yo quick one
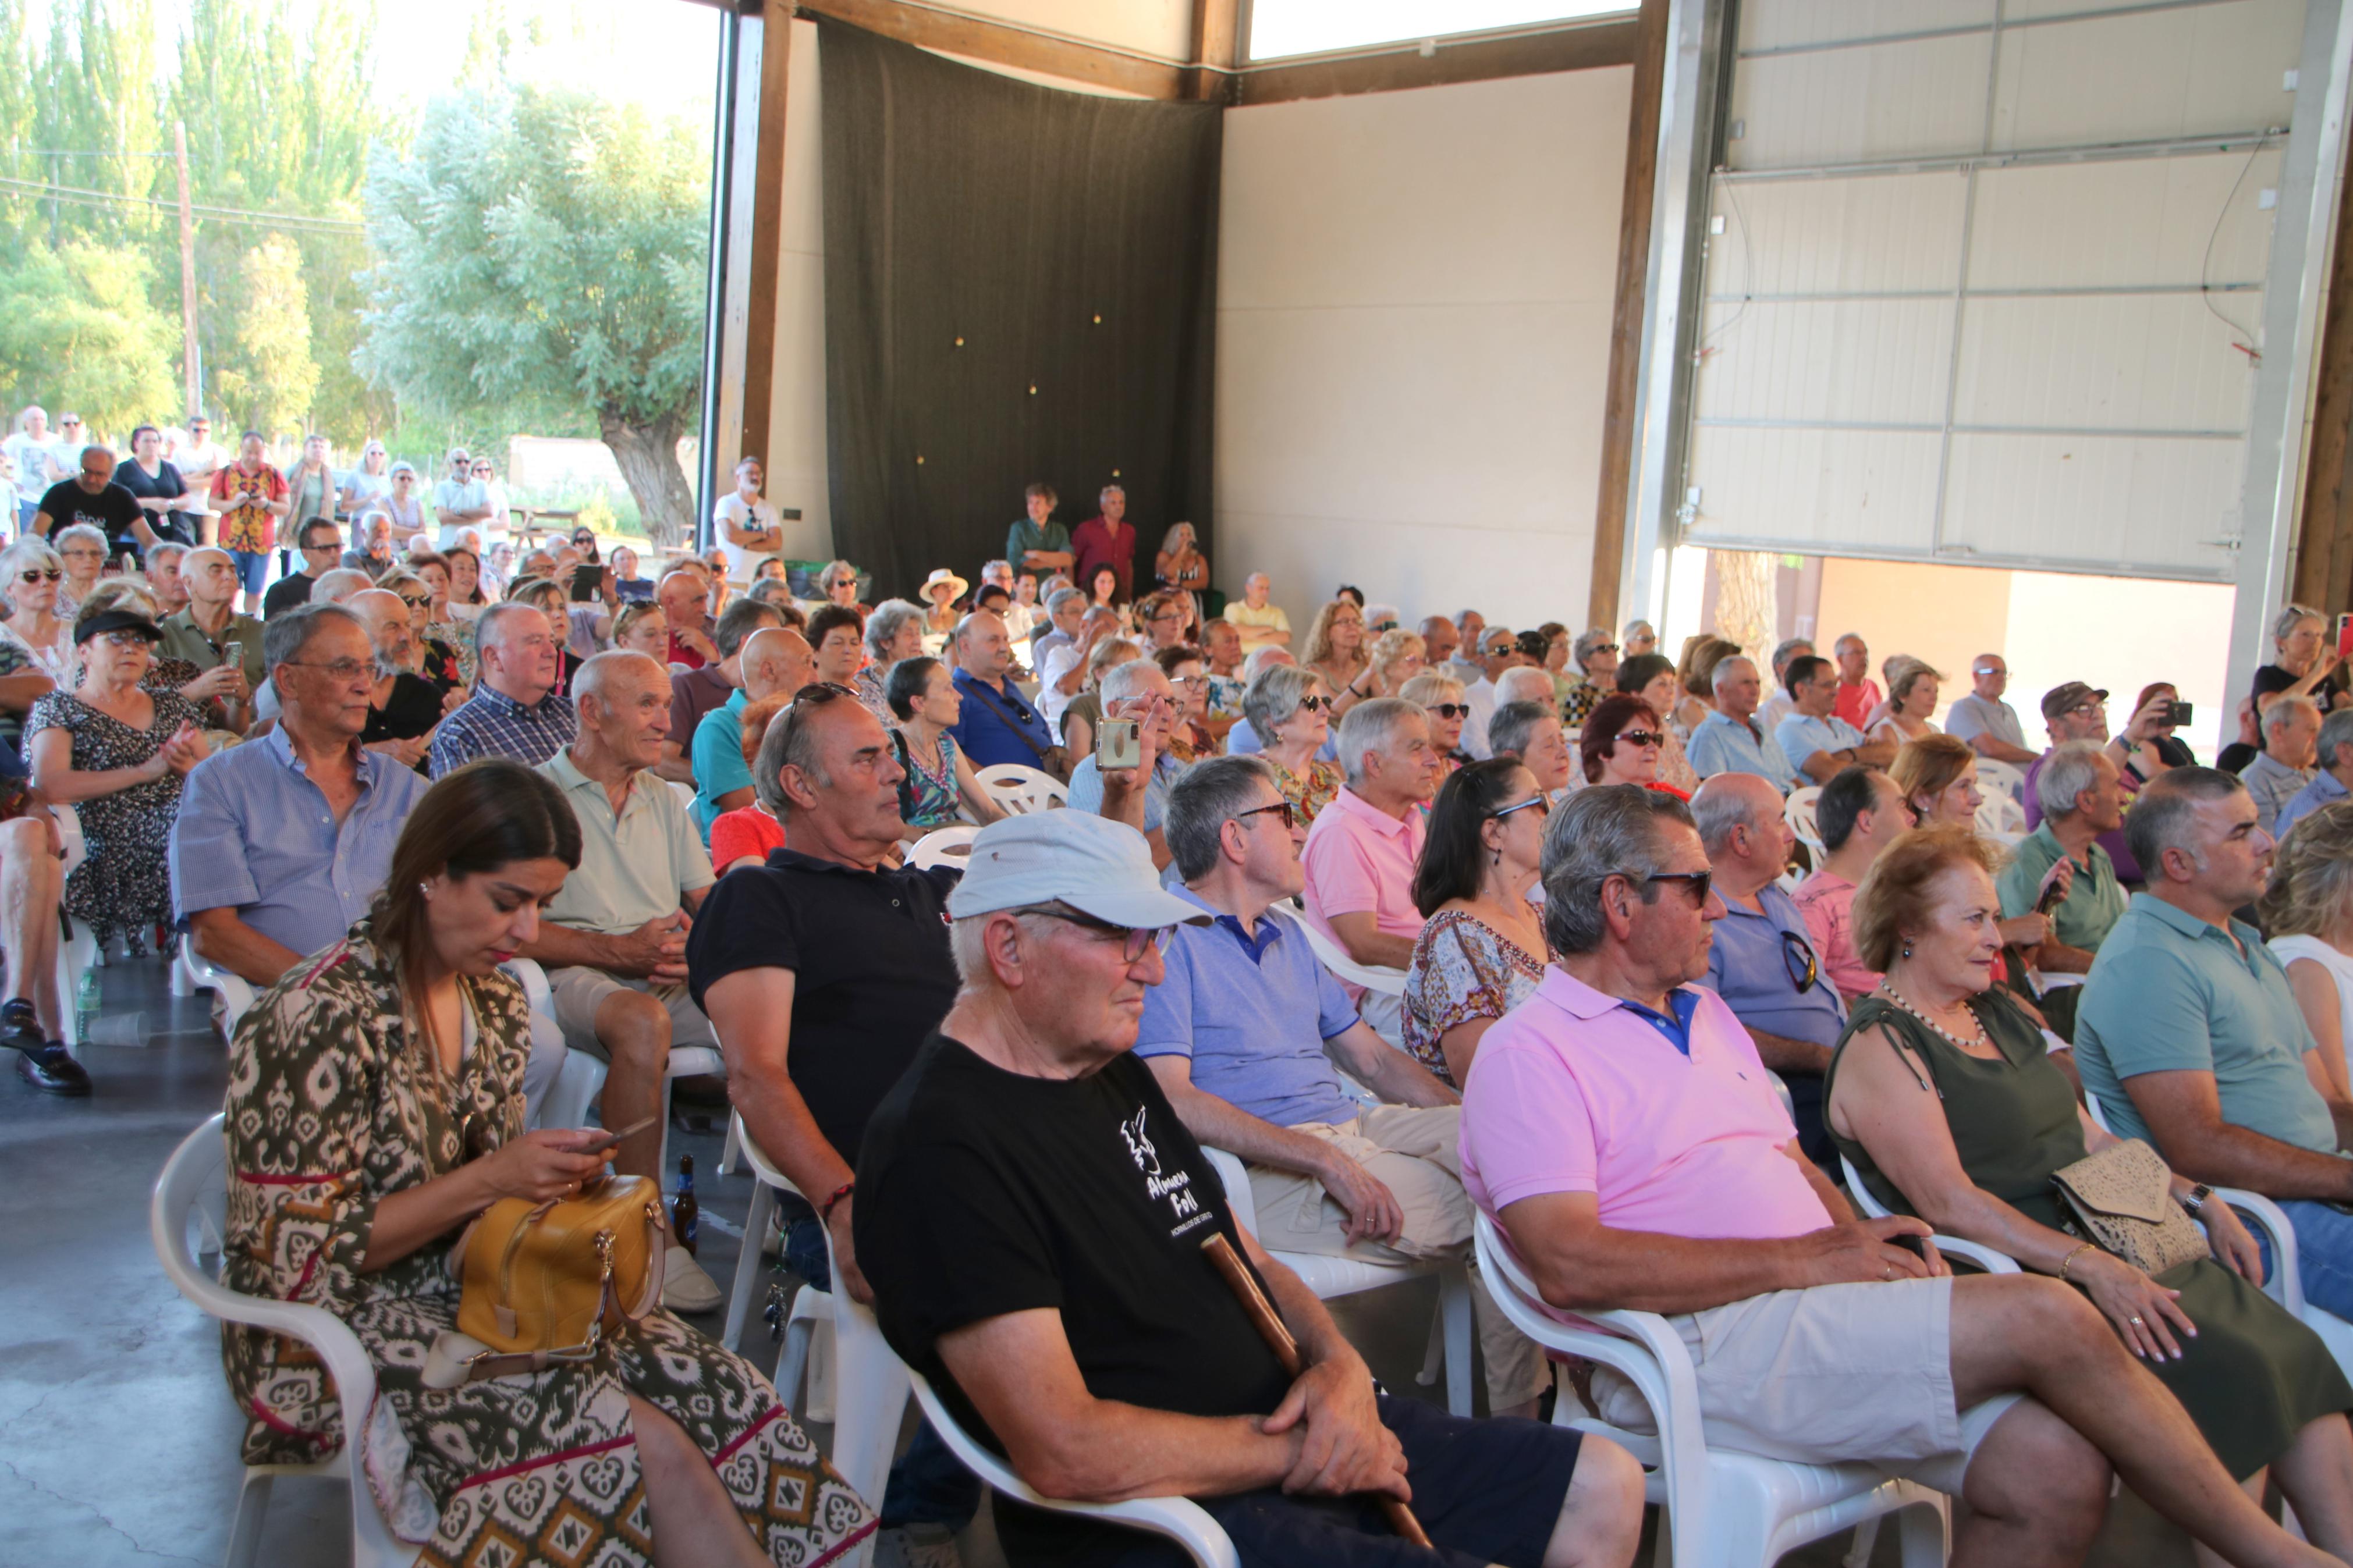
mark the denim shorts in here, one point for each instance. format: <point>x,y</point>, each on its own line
<point>252,565</point>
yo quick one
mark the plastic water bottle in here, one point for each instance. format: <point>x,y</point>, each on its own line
<point>86,1003</point>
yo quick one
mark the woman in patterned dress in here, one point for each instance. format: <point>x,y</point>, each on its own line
<point>117,752</point>
<point>927,704</point>
<point>1289,709</point>
<point>374,1108</point>
<point>1483,949</point>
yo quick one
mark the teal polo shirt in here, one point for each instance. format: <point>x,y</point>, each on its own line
<point>718,757</point>
<point>2092,906</point>
<point>1025,536</point>
<point>2169,994</point>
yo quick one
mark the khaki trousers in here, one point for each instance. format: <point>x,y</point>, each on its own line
<point>1412,1150</point>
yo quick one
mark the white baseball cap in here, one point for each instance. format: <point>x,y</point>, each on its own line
<point>1096,865</point>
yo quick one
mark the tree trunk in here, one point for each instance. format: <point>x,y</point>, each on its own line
<point>648,455</point>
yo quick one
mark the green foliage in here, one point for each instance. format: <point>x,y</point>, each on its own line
<point>77,329</point>
<point>267,377</point>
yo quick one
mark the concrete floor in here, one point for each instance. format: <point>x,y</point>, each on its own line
<point>120,1443</point>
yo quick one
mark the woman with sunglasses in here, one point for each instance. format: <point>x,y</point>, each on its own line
<point>1483,949</point>
<point>1652,677</point>
<point>448,662</point>
<point>1289,709</point>
<point>1622,744</point>
<point>1440,697</point>
<point>32,576</point>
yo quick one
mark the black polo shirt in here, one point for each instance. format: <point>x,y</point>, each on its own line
<point>872,976</point>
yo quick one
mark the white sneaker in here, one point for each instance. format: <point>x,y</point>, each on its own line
<point>685,1287</point>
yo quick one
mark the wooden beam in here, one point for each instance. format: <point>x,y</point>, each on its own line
<point>1581,46</point>
<point>761,280</point>
<point>1619,417</point>
<point>1217,27</point>
<point>953,33</point>
<point>2323,577</point>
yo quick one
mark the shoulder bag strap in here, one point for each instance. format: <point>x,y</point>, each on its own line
<point>980,689</point>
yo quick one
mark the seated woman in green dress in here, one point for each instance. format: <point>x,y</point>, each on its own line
<point>375,1106</point>
<point>1943,1096</point>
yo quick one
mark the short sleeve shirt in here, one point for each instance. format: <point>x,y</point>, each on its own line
<point>1267,619</point>
<point>112,512</point>
<point>490,723</point>
<point>1855,702</point>
<point>1756,962</point>
<point>2095,903</point>
<point>634,866</point>
<point>1360,860</point>
<point>1723,745</point>
<point>1799,737</point>
<point>998,726</point>
<point>718,753</point>
<point>242,500</point>
<point>1087,789</point>
<point>2324,790</point>
<point>1025,536</point>
<point>1973,715</point>
<point>693,693</point>
<point>1827,903</point>
<point>2170,993</point>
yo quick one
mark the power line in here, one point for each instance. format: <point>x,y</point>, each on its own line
<point>85,197</point>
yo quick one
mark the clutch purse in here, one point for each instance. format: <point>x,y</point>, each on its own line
<point>2121,1200</point>
<point>544,1282</point>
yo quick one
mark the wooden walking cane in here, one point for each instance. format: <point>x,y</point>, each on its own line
<point>1271,1328</point>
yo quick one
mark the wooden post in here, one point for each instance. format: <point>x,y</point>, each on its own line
<point>1621,417</point>
<point>191,370</point>
<point>767,229</point>
<point>2323,574</point>
<point>1217,48</point>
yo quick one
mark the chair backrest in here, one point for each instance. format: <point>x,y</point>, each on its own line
<point>1798,813</point>
<point>1016,788</point>
<point>2001,817</point>
<point>1333,957</point>
<point>943,847</point>
<point>1235,1175</point>
<point>2005,777</point>
<point>1869,1208</point>
<point>685,793</point>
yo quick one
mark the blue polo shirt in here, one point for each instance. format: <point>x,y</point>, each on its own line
<point>1745,966</point>
<point>982,732</point>
<point>716,753</point>
<point>1720,745</point>
<point>1800,735</point>
<point>1253,1011</point>
<point>2170,993</point>
<point>2324,790</point>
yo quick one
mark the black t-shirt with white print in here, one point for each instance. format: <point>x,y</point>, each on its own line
<point>981,1191</point>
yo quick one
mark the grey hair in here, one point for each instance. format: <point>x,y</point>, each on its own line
<point>1273,695</point>
<point>1263,657</point>
<point>1789,648</point>
<point>1513,725</point>
<point>1715,681</point>
<point>1205,797</point>
<point>1603,831</point>
<point>493,617</point>
<point>1370,727</point>
<point>1430,685</point>
<point>600,671</point>
<point>1582,648</point>
<point>2163,813</point>
<point>2275,717</point>
<point>2072,769</point>
<point>130,593</point>
<point>30,551</point>
<point>834,570</point>
<point>1513,683</point>
<point>288,632</point>
<point>2335,731</point>
<point>790,741</point>
<point>1123,680</point>
<point>171,548</point>
<point>1716,812</point>
<point>2290,616</point>
<point>80,530</point>
<point>333,587</point>
<point>889,618</point>
<point>1060,597</point>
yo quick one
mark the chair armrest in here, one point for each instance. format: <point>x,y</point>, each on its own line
<point>2286,1285</point>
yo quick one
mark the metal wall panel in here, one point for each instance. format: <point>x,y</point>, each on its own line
<point>2126,505</point>
<point>1873,361</point>
<point>2144,223</point>
<point>2149,76</point>
<point>1872,235</point>
<point>1872,101</point>
<point>1794,24</point>
<point>1824,492</point>
<point>2111,361</point>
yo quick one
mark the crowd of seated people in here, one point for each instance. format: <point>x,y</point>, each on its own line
<point>1566,857</point>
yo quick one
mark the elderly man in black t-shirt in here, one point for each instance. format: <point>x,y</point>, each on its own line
<point>1032,1218</point>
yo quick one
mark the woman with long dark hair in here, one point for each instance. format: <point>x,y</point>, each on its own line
<point>375,1108</point>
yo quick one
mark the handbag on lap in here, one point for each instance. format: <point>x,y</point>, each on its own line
<point>2121,1200</point>
<point>544,1282</point>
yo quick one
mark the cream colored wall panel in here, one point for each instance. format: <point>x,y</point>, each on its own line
<point>2120,501</point>
<point>1163,27</point>
<point>1816,491</point>
<point>1872,234</point>
<point>2148,76</point>
<point>1491,191</point>
<point>2147,361</point>
<point>1875,100</point>
<point>1782,24</point>
<point>1885,362</point>
<point>2127,223</point>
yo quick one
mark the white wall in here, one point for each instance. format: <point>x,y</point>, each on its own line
<point>1414,297</point>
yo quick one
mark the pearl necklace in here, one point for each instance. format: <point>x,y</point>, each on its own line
<point>1896,997</point>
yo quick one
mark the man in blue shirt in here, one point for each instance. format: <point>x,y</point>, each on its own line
<point>2189,1035</point>
<point>2335,756</point>
<point>281,843</point>
<point>1136,690</point>
<point>1730,741</point>
<point>997,724</point>
<point>1243,1033</point>
<point>1814,739</point>
<point>1763,961</point>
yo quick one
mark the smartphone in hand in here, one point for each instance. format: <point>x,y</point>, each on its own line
<point>1117,746</point>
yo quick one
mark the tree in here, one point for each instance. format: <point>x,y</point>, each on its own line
<point>268,378</point>
<point>79,329</point>
<point>545,253</point>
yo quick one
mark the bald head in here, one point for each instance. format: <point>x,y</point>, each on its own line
<point>777,662</point>
<point>1741,825</point>
<point>338,586</point>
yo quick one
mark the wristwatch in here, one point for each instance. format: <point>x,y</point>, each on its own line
<point>2196,1200</point>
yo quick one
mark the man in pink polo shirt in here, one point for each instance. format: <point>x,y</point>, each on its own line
<point>1620,1129</point>
<point>1362,851</point>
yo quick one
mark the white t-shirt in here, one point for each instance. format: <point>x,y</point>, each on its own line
<point>38,462</point>
<point>197,463</point>
<point>742,559</point>
<point>1059,663</point>
<point>2288,948</point>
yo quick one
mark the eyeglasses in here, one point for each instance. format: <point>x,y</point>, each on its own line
<point>1134,940</point>
<point>39,574</point>
<point>1601,648</point>
<point>1316,704</point>
<point>1450,710</point>
<point>329,548</point>
<point>1289,813</point>
<point>416,601</point>
<point>1697,881</point>
<point>337,670</point>
<point>817,691</point>
<point>1798,958</point>
<point>1641,738</point>
<point>83,552</point>
<point>124,639</point>
<point>1543,809</point>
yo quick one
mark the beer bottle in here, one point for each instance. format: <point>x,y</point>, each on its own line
<point>685,1214</point>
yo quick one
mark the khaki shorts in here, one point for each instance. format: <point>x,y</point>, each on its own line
<point>579,991</point>
<point>1833,1373</point>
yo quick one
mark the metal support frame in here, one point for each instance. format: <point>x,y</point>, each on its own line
<point>2283,380</point>
<point>1691,110</point>
<point>708,486</point>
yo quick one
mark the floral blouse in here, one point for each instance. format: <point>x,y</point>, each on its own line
<point>1311,792</point>
<point>1463,969</point>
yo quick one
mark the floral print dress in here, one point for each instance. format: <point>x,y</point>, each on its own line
<point>124,887</point>
<point>1308,792</point>
<point>329,1110</point>
<point>1463,969</point>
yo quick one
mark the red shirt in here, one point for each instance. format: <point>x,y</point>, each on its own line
<point>1855,702</point>
<point>680,654</point>
<point>1095,544</point>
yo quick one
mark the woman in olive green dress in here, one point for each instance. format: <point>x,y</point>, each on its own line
<point>1943,1096</point>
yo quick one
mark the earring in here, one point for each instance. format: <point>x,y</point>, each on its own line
<point>423,889</point>
<point>1907,947</point>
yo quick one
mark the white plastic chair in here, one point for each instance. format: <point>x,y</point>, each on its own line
<point>1181,1520</point>
<point>1798,811</point>
<point>1722,1508</point>
<point>943,847</point>
<point>1986,1258</point>
<point>1329,1276</point>
<point>2007,778</point>
<point>1333,957</point>
<point>233,994</point>
<point>194,1184</point>
<point>1019,788</point>
<point>685,793</point>
<point>1999,816</point>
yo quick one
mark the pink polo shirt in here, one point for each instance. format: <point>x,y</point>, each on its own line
<point>1571,1092</point>
<point>1828,903</point>
<point>1360,860</point>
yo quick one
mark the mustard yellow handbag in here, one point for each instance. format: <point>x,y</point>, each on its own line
<point>544,1282</point>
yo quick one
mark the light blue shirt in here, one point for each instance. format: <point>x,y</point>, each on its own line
<point>717,754</point>
<point>1799,737</point>
<point>2324,790</point>
<point>1087,790</point>
<point>1242,741</point>
<point>1719,745</point>
<point>255,835</point>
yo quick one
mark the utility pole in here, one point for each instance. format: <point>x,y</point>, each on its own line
<point>191,370</point>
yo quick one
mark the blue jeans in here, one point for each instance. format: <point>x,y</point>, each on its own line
<point>929,1485</point>
<point>252,566</point>
<point>2324,1249</point>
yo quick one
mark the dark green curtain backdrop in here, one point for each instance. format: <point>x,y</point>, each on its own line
<point>1020,284</point>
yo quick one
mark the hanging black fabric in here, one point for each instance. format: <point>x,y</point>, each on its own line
<point>1020,284</point>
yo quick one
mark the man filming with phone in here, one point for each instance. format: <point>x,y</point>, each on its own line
<point>1127,775</point>
<point>211,631</point>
